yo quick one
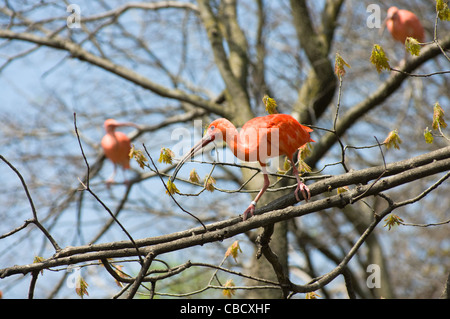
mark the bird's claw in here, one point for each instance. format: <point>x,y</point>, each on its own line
<point>109,182</point>
<point>249,212</point>
<point>304,190</point>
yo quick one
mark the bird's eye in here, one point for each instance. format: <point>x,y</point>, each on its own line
<point>212,128</point>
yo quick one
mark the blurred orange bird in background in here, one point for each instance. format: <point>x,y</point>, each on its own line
<point>116,146</point>
<point>260,138</point>
<point>403,23</point>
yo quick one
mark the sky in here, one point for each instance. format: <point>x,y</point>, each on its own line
<point>49,77</point>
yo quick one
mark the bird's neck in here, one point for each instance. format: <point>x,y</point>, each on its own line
<point>235,143</point>
<point>230,135</point>
<point>110,130</point>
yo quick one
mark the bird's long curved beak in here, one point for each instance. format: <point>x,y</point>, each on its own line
<point>128,124</point>
<point>383,25</point>
<point>189,155</point>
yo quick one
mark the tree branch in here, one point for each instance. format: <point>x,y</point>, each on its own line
<point>144,6</point>
<point>385,90</point>
<point>35,219</point>
<point>318,89</point>
<point>237,93</point>
<point>81,54</point>
<point>396,174</point>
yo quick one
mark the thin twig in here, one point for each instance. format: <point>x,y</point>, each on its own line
<point>425,225</point>
<point>168,192</point>
<point>138,280</point>
<point>24,185</point>
<point>338,105</point>
<point>378,178</point>
<point>399,173</point>
<point>35,219</point>
<point>435,37</point>
<point>419,75</point>
<point>87,188</point>
<point>424,193</point>
<point>34,277</point>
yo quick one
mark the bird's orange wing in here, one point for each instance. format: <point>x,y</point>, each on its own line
<point>117,148</point>
<point>278,134</point>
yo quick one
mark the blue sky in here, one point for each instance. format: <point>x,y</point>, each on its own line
<point>48,84</point>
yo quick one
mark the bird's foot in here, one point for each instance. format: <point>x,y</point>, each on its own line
<point>109,182</point>
<point>127,183</point>
<point>250,211</point>
<point>304,190</point>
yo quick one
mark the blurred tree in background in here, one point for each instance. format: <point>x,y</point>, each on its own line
<point>174,66</point>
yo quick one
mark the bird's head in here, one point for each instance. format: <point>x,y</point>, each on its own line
<point>392,13</point>
<point>216,131</point>
<point>110,125</point>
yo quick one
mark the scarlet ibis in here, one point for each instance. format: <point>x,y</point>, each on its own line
<point>403,23</point>
<point>259,139</point>
<point>116,145</point>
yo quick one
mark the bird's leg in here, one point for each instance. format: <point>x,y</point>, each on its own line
<point>300,185</point>
<point>251,208</point>
<point>126,182</point>
<point>402,62</point>
<point>110,180</point>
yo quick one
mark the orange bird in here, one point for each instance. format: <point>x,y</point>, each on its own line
<point>116,145</point>
<point>260,139</point>
<point>402,24</point>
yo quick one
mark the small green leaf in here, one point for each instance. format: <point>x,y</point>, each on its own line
<point>270,103</point>
<point>229,291</point>
<point>38,259</point>
<point>392,220</point>
<point>343,189</point>
<point>303,167</point>
<point>138,156</point>
<point>438,117</point>
<point>379,59</point>
<point>286,165</point>
<point>312,295</point>
<point>81,287</point>
<point>339,66</point>
<point>171,188</point>
<point>393,140</point>
<point>443,10</point>
<point>166,155</point>
<point>193,176</point>
<point>428,136</point>
<point>209,183</point>
<point>305,150</point>
<point>233,250</point>
<point>412,46</point>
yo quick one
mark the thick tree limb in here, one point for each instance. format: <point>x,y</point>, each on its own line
<point>230,67</point>
<point>385,90</point>
<point>319,87</point>
<point>81,54</point>
<point>395,174</point>
<point>144,6</point>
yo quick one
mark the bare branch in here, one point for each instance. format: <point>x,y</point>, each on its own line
<point>115,13</point>
<point>78,52</point>
<point>381,94</point>
<point>34,220</point>
<point>165,186</point>
<point>397,174</point>
<point>87,188</point>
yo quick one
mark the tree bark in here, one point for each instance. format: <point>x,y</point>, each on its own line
<point>320,85</point>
